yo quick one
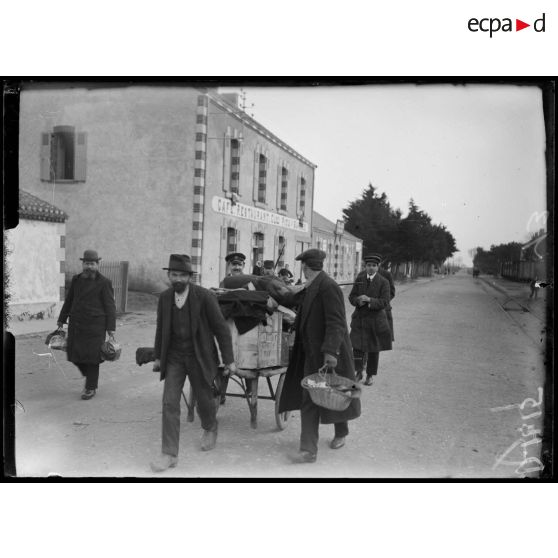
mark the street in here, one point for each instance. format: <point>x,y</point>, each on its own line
<point>445,404</point>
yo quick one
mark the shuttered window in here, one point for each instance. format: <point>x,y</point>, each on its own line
<point>63,155</point>
<point>262,178</point>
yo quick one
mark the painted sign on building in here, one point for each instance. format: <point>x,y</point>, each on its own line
<point>226,207</point>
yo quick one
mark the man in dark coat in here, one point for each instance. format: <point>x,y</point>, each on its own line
<point>92,311</point>
<point>370,329</point>
<point>383,271</point>
<point>321,339</point>
<point>188,322</point>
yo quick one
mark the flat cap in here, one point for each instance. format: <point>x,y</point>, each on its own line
<point>373,258</point>
<point>311,254</point>
<point>235,256</point>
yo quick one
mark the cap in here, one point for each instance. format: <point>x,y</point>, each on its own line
<point>269,264</point>
<point>235,256</point>
<point>373,258</point>
<point>311,254</point>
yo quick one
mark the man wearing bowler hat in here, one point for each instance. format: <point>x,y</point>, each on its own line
<point>370,328</point>
<point>91,309</point>
<point>188,322</point>
<point>321,338</point>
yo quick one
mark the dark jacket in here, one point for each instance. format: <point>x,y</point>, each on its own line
<point>92,311</point>
<point>370,330</point>
<point>385,273</point>
<point>321,327</point>
<point>208,325</point>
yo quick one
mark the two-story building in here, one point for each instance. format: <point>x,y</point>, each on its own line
<point>146,171</point>
<point>343,250</point>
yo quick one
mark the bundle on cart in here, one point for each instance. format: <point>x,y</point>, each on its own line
<point>256,328</point>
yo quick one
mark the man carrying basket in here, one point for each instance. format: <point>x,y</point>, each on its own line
<point>321,339</point>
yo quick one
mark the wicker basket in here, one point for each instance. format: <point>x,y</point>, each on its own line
<point>337,393</point>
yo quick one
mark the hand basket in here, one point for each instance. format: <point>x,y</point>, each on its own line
<point>331,391</point>
<point>57,340</point>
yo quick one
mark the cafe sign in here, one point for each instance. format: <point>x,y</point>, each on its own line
<point>251,213</point>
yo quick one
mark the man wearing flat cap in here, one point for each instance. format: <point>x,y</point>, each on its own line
<point>268,268</point>
<point>188,322</point>
<point>235,264</point>
<point>321,338</point>
<point>370,329</point>
<point>91,309</point>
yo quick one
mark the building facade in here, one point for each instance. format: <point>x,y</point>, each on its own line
<point>343,250</point>
<point>36,259</point>
<point>146,171</point>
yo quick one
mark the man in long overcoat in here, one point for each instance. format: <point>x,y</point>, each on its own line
<point>370,329</point>
<point>321,338</point>
<point>188,322</point>
<point>384,272</point>
<point>91,309</point>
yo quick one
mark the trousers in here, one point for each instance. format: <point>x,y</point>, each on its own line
<point>371,359</point>
<point>310,425</point>
<point>91,373</point>
<point>178,367</point>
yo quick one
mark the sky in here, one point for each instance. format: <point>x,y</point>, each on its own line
<point>471,156</point>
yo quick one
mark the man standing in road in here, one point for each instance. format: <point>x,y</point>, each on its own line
<point>370,329</point>
<point>321,339</point>
<point>188,322</point>
<point>91,309</point>
<point>383,271</point>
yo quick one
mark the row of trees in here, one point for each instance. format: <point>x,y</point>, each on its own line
<point>490,261</point>
<point>382,229</point>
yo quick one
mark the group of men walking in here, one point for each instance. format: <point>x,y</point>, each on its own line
<point>190,323</point>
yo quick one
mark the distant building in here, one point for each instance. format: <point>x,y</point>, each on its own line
<point>343,250</point>
<point>36,259</point>
<point>145,171</point>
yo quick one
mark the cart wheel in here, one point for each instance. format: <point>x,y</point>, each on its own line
<point>281,419</point>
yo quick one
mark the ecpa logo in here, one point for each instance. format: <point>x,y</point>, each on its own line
<point>492,25</point>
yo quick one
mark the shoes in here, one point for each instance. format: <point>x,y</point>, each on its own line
<point>88,393</point>
<point>337,443</point>
<point>358,377</point>
<point>209,439</point>
<point>163,462</point>
<point>303,457</point>
<point>369,380</point>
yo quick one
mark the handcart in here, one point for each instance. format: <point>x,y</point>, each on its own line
<point>260,353</point>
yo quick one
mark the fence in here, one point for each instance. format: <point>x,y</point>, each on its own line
<point>523,271</point>
<point>117,272</point>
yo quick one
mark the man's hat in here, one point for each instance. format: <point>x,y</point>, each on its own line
<point>179,262</point>
<point>269,264</point>
<point>373,258</point>
<point>312,254</point>
<point>235,257</point>
<point>90,256</point>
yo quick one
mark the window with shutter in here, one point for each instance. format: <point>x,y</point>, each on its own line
<point>63,155</point>
<point>262,178</point>
<point>235,166</point>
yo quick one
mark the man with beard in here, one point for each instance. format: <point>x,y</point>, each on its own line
<point>321,338</point>
<point>188,322</point>
<point>92,311</point>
